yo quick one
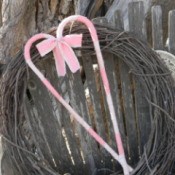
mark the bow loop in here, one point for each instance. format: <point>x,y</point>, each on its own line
<point>62,51</point>
<point>46,46</point>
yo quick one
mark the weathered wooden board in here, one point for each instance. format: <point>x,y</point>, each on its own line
<point>64,118</point>
<point>129,113</point>
<point>157,32</point>
<point>142,117</point>
<point>38,135</point>
<point>171,32</point>
<point>78,102</point>
<point>49,130</point>
<point>94,96</point>
<point>96,102</point>
<point>117,20</point>
<point>111,65</point>
<point>137,26</point>
<point>106,118</point>
<point>136,19</point>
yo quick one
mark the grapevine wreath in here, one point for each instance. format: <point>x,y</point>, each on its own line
<point>143,62</point>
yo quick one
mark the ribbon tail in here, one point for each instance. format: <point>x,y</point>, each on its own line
<point>59,62</point>
<point>46,46</point>
<point>70,57</point>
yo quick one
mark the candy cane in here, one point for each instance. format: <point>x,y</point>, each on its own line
<point>63,52</point>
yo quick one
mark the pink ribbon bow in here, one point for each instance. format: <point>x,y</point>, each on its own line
<point>62,51</point>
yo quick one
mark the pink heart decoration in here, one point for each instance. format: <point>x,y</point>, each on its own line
<point>63,53</point>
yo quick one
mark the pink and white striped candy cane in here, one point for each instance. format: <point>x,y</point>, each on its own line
<point>121,157</point>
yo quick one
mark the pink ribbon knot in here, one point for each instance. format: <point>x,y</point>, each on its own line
<point>62,51</point>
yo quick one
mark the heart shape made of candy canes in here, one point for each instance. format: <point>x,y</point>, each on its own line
<point>63,53</point>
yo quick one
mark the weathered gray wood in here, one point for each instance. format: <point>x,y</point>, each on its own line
<point>142,116</point>
<point>93,8</point>
<point>157,32</point>
<point>96,103</point>
<point>81,6</point>
<point>38,135</point>
<point>106,115</point>
<point>136,19</point>
<point>112,68</point>
<point>118,5</point>
<point>100,20</point>
<point>128,113</point>
<point>78,102</point>
<point>136,25</point>
<point>47,126</point>
<point>94,96</point>
<point>171,32</point>
<point>118,21</point>
<point>107,120</point>
<point>64,118</point>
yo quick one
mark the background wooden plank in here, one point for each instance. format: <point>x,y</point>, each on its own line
<point>78,102</point>
<point>137,25</point>
<point>38,134</point>
<point>94,96</point>
<point>100,20</point>
<point>110,65</point>
<point>118,20</point>
<point>157,32</point>
<point>129,113</point>
<point>112,68</point>
<point>100,123</point>
<point>64,118</point>
<point>48,125</point>
<point>142,116</point>
<point>136,19</point>
<point>171,31</point>
<point>108,162</point>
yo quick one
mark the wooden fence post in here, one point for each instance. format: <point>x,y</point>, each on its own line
<point>118,21</point>
<point>137,26</point>
<point>171,32</point>
<point>157,37</point>
<point>137,19</point>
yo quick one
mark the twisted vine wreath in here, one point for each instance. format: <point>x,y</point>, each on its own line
<point>156,80</point>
